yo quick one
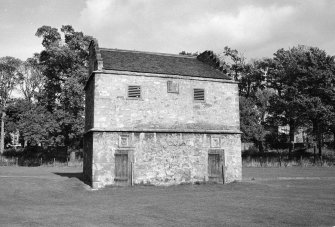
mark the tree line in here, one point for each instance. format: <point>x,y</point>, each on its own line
<point>295,87</point>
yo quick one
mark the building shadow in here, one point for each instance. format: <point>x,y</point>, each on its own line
<point>79,176</point>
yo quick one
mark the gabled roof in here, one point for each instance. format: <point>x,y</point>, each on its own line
<point>158,63</point>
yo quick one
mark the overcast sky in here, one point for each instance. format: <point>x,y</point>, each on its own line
<point>256,28</point>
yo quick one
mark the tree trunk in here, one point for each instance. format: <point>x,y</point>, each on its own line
<point>291,135</point>
<point>260,146</point>
<point>320,148</point>
<point>2,139</point>
<point>248,89</point>
<point>317,134</point>
<point>319,140</point>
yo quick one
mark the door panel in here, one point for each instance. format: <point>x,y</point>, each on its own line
<point>214,172</point>
<point>121,167</point>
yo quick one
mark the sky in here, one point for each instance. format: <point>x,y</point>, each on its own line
<point>256,28</point>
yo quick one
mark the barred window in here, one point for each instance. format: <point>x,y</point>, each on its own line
<point>134,92</point>
<point>199,94</point>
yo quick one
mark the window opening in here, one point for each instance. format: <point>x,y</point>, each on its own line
<point>199,94</point>
<point>134,92</point>
<point>172,87</point>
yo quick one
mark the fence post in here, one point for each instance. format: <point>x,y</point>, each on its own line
<point>314,153</point>
<point>54,162</point>
<point>17,161</point>
<point>301,160</point>
<point>223,174</point>
<point>132,174</point>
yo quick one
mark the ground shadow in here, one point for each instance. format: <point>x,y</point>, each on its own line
<point>79,176</point>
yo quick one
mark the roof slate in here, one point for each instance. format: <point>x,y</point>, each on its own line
<point>135,61</point>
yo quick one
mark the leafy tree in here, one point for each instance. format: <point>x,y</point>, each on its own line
<point>189,53</point>
<point>15,108</point>
<point>253,112</point>
<point>251,76</point>
<point>51,36</point>
<point>303,78</point>
<point>64,66</point>
<point>317,79</point>
<point>250,120</point>
<point>33,79</point>
<point>39,126</point>
<point>236,62</point>
<point>10,76</point>
<point>254,97</point>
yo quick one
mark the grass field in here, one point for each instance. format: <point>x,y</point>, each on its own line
<point>44,196</point>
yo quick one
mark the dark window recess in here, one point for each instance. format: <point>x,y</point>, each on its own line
<point>172,87</point>
<point>134,92</point>
<point>199,94</point>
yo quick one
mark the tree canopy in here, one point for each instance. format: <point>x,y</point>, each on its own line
<point>52,85</point>
<point>301,80</point>
<point>10,76</point>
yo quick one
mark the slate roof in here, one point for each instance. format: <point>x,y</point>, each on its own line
<point>147,62</point>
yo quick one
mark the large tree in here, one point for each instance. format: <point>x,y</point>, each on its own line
<point>317,81</point>
<point>303,78</point>
<point>33,79</point>
<point>64,66</point>
<point>253,112</point>
<point>10,77</point>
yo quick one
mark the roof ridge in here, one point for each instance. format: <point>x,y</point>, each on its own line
<point>148,52</point>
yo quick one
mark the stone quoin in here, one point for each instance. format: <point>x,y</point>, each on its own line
<point>159,119</point>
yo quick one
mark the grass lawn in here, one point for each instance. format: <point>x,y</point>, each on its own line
<point>42,196</point>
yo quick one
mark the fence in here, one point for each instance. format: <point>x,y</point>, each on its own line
<point>4,161</point>
<point>286,161</point>
<point>37,156</point>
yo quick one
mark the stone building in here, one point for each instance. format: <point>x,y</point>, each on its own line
<point>160,119</point>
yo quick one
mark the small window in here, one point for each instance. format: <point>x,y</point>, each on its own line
<point>134,92</point>
<point>199,94</point>
<point>172,87</point>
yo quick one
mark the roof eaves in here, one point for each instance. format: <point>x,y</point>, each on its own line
<point>227,80</point>
<point>148,52</point>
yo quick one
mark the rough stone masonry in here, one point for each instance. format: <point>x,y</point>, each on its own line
<point>159,119</point>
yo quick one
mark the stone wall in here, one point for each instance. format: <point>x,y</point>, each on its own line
<point>88,156</point>
<point>89,104</point>
<point>158,109</point>
<point>165,159</point>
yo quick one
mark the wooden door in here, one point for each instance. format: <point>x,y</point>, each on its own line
<point>214,170</point>
<point>121,168</point>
